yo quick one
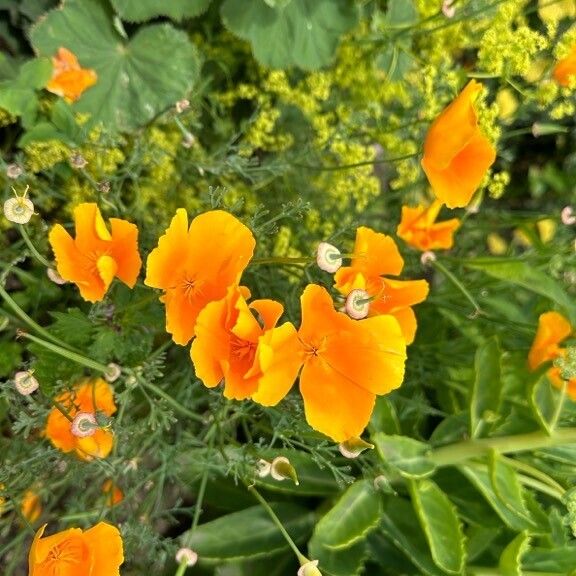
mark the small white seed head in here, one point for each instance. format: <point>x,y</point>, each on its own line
<point>567,216</point>
<point>263,468</point>
<point>78,161</point>
<point>328,257</point>
<point>182,105</point>
<point>427,258</point>
<point>13,171</point>
<point>25,382</point>
<point>113,372</point>
<point>186,555</point>
<point>84,424</point>
<point>358,304</point>
<point>54,275</point>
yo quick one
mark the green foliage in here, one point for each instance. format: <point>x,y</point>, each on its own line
<point>511,559</point>
<point>138,78</point>
<point>141,10</point>
<point>302,33</point>
<point>405,455</point>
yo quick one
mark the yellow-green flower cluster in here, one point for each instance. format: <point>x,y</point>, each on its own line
<point>46,154</point>
<point>498,184</point>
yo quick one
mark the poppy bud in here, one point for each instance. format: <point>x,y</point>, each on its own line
<point>281,469</point>
<point>83,425</point>
<point>328,257</point>
<point>25,383</point>
<point>353,447</point>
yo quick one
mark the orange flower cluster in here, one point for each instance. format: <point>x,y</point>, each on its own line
<point>89,396</point>
<point>69,80</point>
<point>97,255</point>
<point>96,552</point>
<point>553,329</point>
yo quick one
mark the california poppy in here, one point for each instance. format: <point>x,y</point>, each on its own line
<point>69,79</point>
<point>112,492</point>
<point>96,256</point>
<point>238,343</point>
<point>457,154</point>
<point>31,506</point>
<point>552,330</point>
<point>88,396</point>
<point>565,68</point>
<point>419,229</point>
<point>195,265</point>
<point>376,254</point>
<point>346,363</point>
<point>96,552</point>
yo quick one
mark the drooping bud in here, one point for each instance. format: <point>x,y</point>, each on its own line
<point>19,209</point>
<point>281,469</point>
<point>25,383</point>
<point>310,569</point>
<point>353,447</point>
<point>358,304</point>
<point>263,468</point>
<point>328,257</point>
<point>84,424</point>
<point>186,555</point>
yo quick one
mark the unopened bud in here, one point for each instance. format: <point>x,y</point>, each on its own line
<point>426,258</point>
<point>78,161</point>
<point>104,187</point>
<point>25,383</point>
<point>182,105</point>
<point>281,469</point>
<point>310,569</point>
<point>447,9</point>
<point>187,556</point>
<point>263,468</point>
<point>189,140</point>
<point>358,304</point>
<point>84,424</point>
<point>353,447</point>
<point>113,372</point>
<point>328,257</point>
<point>382,484</point>
<point>13,171</point>
<point>567,216</point>
<point>54,275</point>
<point>19,209</point>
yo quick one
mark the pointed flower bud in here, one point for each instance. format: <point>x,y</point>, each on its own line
<point>19,209</point>
<point>310,569</point>
<point>281,469</point>
<point>25,383</point>
<point>189,557</point>
<point>353,447</point>
<point>382,484</point>
<point>358,304</point>
<point>84,424</point>
<point>328,257</point>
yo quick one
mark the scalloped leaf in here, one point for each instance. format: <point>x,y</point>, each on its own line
<point>302,33</point>
<point>510,562</point>
<point>142,10</point>
<point>137,78</point>
<point>407,456</point>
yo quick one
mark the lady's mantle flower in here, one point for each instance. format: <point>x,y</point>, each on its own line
<point>376,254</point>
<point>96,255</point>
<point>457,154</point>
<point>553,328</point>
<point>565,68</point>
<point>98,552</point>
<point>69,80</point>
<point>195,265</point>
<point>89,396</point>
<point>346,363</point>
<point>419,229</point>
<point>240,344</point>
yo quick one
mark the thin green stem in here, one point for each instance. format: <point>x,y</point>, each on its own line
<point>356,164</point>
<point>32,248</point>
<point>281,260</point>
<point>301,558</point>
<point>559,406</point>
<point>462,451</point>
<point>173,403</point>
<point>460,286</point>
<point>68,354</point>
<point>538,474</point>
<point>181,568</point>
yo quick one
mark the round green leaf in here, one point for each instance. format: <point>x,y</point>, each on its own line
<point>137,79</point>
<point>141,10</point>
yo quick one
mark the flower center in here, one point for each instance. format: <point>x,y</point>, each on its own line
<point>242,349</point>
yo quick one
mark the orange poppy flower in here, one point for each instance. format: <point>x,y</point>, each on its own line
<point>87,396</point>
<point>31,507</point>
<point>456,153</point>
<point>346,363</point>
<point>376,254</point>
<point>69,80</point>
<point>195,265</point>
<point>96,552</point>
<point>238,343</point>
<point>553,328</point>
<point>565,68</point>
<point>113,494</point>
<point>96,255</point>
<point>419,229</point>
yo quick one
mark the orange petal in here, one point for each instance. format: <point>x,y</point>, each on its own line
<point>269,312</point>
<point>70,540</point>
<point>95,389</point>
<point>107,267</point>
<point>106,549</point>
<point>553,328</point>
<point>407,321</point>
<point>124,250</point>
<point>565,68</point>
<point>58,431</point>
<point>99,445</point>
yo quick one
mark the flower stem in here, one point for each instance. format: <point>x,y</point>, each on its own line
<point>181,568</point>
<point>32,248</point>
<point>462,451</point>
<point>559,405</point>
<point>177,407</point>
<point>282,260</point>
<point>65,353</point>
<point>301,558</point>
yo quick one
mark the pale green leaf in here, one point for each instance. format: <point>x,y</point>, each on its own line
<point>510,563</point>
<point>141,10</point>
<point>560,560</point>
<point>440,523</point>
<point>406,455</point>
<point>543,402</point>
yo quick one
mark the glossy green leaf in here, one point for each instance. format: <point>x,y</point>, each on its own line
<point>522,274</point>
<point>406,455</point>
<point>340,562</point>
<point>137,78</point>
<point>510,563</point>
<point>440,524</point>
<point>551,560</point>
<point>487,387</point>
<point>543,402</point>
<point>302,33</point>
<point>400,525</point>
<point>249,533</point>
<point>141,10</point>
